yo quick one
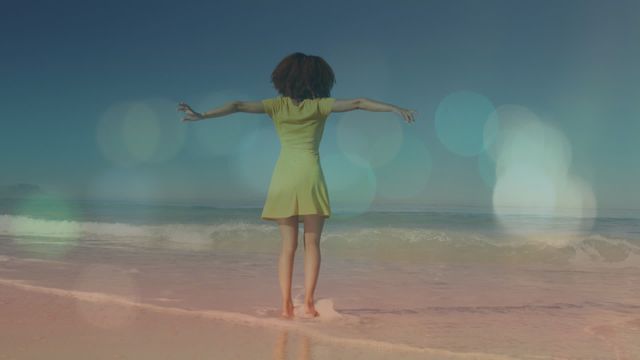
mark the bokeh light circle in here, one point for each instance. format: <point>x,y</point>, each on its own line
<point>408,174</point>
<point>220,136</point>
<point>460,121</point>
<point>140,132</point>
<point>539,145</point>
<point>369,139</point>
<point>502,123</point>
<point>523,190</point>
<point>532,169</point>
<point>351,188</point>
<point>577,200</point>
<point>171,132</point>
<point>487,169</point>
<point>255,158</point>
<point>130,133</point>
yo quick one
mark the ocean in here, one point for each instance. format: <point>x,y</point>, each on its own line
<point>424,284</point>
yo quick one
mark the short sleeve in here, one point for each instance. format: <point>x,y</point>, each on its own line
<point>324,106</point>
<point>268,106</point>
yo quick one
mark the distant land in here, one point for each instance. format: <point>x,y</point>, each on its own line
<point>17,191</point>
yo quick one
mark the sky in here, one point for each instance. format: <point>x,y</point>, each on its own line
<point>519,102</point>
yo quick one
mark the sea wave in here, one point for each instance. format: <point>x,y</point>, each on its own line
<point>382,242</point>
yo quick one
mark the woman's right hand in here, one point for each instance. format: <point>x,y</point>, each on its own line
<point>190,114</point>
<point>407,114</point>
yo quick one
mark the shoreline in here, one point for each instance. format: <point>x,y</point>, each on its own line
<point>47,322</point>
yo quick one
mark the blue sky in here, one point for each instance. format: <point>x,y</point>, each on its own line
<point>72,71</point>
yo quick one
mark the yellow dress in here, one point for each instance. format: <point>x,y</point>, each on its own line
<point>297,184</point>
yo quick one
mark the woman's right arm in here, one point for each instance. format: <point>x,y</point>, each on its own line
<point>372,105</point>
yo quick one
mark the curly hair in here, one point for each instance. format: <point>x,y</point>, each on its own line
<point>300,76</point>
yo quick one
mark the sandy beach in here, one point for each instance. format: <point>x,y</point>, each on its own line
<point>434,290</point>
<point>41,323</point>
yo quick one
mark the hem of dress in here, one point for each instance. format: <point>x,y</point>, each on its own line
<point>300,218</point>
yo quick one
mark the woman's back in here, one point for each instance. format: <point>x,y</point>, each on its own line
<point>299,126</point>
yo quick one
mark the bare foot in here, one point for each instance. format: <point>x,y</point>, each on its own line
<point>310,310</point>
<point>287,313</point>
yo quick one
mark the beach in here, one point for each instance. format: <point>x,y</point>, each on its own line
<point>406,288</point>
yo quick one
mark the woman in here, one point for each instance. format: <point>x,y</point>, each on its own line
<point>297,191</point>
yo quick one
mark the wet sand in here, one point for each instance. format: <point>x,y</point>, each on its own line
<point>35,324</point>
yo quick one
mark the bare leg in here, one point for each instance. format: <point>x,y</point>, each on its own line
<point>313,225</point>
<point>289,232</point>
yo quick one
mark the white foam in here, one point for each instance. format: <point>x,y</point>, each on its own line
<point>247,320</point>
<point>29,226</point>
<point>4,258</point>
<point>367,240</point>
<point>164,299</point>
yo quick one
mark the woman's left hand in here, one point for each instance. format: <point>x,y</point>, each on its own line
<point>190,114</point>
